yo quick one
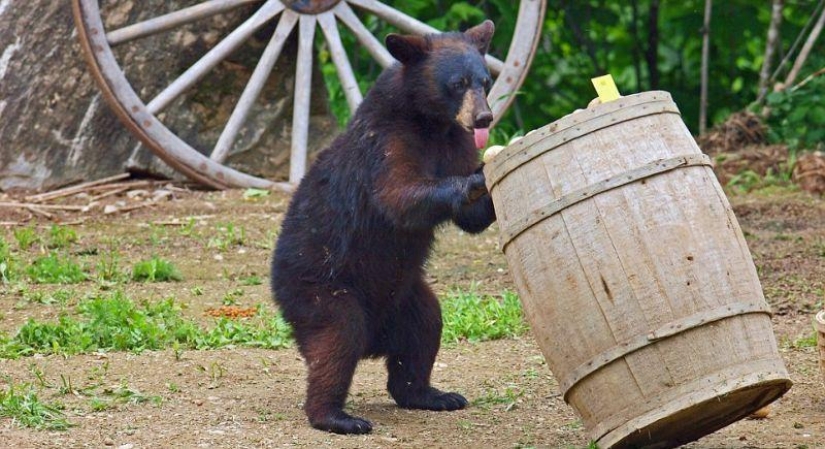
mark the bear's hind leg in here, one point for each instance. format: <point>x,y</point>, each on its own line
<point>332,351</point>
<point>415,339</point>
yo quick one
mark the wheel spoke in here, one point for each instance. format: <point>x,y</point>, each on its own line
<point>174,19</point>
<point>303,91</point>
<point>412,25</point>
<point>254,86</point>
<point>372,44</point>
<point>229,44</point>
<point>339,58</point>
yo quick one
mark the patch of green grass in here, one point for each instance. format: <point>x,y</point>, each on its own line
<point>155,270</point>
<point>252,280</point>
<point>124,394</point>
<point>507,399</point>
<point>22,405</point>
<point>99,404</point>
<point>188,228</point>
<point>228,235</point>
<point>113,322</point>
<point>26,237</point>
<point>116,323</point>
<point>808,341</point>
<point>470,316</point>
<point>61,237</point>
<point>772,182</point>
<point>54,269</point>
<point>231,297</point>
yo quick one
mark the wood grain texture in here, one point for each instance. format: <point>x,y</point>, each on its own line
<point>643,297</point>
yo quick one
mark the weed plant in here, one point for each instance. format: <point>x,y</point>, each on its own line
<point>61,237</point>
<point>228,235</point>
<point>21,404</point>
<point>54,269</point>
<point>26,237</point>
<point>155,270</point>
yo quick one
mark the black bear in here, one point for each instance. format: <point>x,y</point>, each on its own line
<point>348,268</point>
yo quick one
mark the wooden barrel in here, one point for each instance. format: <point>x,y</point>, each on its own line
<point>634,274</point>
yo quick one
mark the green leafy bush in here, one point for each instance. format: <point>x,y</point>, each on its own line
<point>797,117</point>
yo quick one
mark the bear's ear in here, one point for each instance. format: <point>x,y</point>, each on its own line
<point>407,49</point>
<point>481,35</point>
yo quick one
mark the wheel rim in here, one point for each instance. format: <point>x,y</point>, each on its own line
<point>305,16</point>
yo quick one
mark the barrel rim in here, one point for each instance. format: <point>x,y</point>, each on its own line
<point>494,169</point>
<point>772,386</point>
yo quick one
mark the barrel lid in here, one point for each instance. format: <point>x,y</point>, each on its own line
<point>575,125</point>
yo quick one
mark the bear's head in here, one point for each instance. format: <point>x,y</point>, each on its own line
<point>447,77</point>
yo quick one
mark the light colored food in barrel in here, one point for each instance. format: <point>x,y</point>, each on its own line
<point>491,153</point>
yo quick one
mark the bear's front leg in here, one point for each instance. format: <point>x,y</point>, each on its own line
<point>414,340</point>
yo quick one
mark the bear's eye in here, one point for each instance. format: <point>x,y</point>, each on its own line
<point>460,84</point>
<point>487,83</point>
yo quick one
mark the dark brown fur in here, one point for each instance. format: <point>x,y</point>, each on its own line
<point>348,269</point>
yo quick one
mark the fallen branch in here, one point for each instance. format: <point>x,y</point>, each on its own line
<point>43,206</point>
<point>111,192</point>
<point>128,185</point>
<point>67,191</point>
<point>108,210</point>
<point>37,211</point>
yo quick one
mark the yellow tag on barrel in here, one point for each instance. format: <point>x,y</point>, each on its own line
<point>606,88</point>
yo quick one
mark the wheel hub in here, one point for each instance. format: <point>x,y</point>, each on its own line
<point>310,6</point>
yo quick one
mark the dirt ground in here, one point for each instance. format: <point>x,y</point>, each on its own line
<point>244,398</point>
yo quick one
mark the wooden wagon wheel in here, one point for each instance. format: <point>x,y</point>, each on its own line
<point>141,117</point>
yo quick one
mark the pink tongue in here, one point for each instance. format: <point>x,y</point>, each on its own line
<point>481,135</point>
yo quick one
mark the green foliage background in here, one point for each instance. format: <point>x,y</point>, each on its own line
<point>586,38</point>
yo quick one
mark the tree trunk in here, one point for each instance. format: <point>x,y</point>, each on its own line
<point>703,95</point>
<point>637,43</point>
<point>653,44</point>
<point>55,126</point>
<point>806,50</point>
<point>771,46</point>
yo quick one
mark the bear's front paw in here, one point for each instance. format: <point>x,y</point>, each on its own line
<point>476,186</point>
